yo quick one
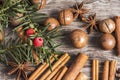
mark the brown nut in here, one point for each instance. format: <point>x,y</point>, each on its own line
<point>41,3</point>
<point>14,21</point>
<point>79,38</point>
<point>107,41</point>
<point>53,23</point>
<point>66,17</point>
<point>107,26</point>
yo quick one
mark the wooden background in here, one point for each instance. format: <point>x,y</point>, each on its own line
<point>104,9</point>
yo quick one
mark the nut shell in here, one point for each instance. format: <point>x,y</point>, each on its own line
<point>79,38</point>
<point>53,23</point>
<point>41,5</point>
<point>107,41</point>
<point>107,26</point>
<point>66,17</point>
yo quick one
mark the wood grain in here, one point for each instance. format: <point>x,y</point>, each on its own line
<point>103,9</point>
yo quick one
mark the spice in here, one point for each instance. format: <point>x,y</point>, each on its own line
<point>53,23</point>
<point>63,58</point>
<point>106,68</point>
<point>107,41</point>
<point>66,17</point>
<point>57,74</point>
<point>40,3</point>
<point>95,70</point>
<point>41,69</point>
<point>91,23</point>
<point>117,34</point>
<point>113,66</point>
<point>20,69</point>
<point>79,38</point>
<point>76,66</point>
<point>81,76</point>
<point>64,69</point>
<point>78,10</point>
<point>107,26</point>
<point>57,69</point>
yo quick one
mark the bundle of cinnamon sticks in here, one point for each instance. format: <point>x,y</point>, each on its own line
<point>60,71</point>
<point>46,74</point>
<point>109,70</point>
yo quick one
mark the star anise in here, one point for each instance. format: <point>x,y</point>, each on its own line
<point>91,23</point>
<point>78,10</point>
<point>20,69</point>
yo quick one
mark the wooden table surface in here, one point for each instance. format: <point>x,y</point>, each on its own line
<point>104,9</point>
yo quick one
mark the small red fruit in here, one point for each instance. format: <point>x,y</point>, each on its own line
<point>30,31</point>
<point>38,42</point>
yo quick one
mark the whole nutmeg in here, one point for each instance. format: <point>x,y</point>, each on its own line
<point>14,20</point>
<point>79,38</point>
<point>41,3</point>
<point>66,17</point>
<point>107,26</point>
<point>53,23</point>
<point>107,41</point>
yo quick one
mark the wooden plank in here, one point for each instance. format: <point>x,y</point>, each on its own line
<point>103,9</point>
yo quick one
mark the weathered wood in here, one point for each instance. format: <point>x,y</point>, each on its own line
<point>103,9</point>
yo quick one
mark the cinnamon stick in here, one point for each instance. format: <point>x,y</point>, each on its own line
<point>95,70</point>
<point>62,58</point>
<point>57,74</point>
<point>41,69</point>
<point>76,66</point>
<point>117,34</point>
<point>57,69</point>
<point>81,76</point>
<point>62,73</point>
<point>113,66</point>
<point>106,70</point>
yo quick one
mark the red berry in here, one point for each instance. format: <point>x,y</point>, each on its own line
<point>38,42</point>
<point>30,31</point>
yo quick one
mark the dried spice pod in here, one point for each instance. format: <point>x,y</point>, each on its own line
<point>107,26</point>
<point>107,41</point>
<point>14,20</point>
<point>79,38</point>
<point>66,17</point>
<point>53,23</point>
<point>41,3</point>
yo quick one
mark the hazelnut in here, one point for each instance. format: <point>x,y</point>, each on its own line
<point>107,41</point>
<point>79,38</point>
<point>107,26</point>
<point>53,23</point>
<point>41,3</point>
<point>66,17</point>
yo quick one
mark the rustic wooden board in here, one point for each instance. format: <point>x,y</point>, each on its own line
<point>103,9</point>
